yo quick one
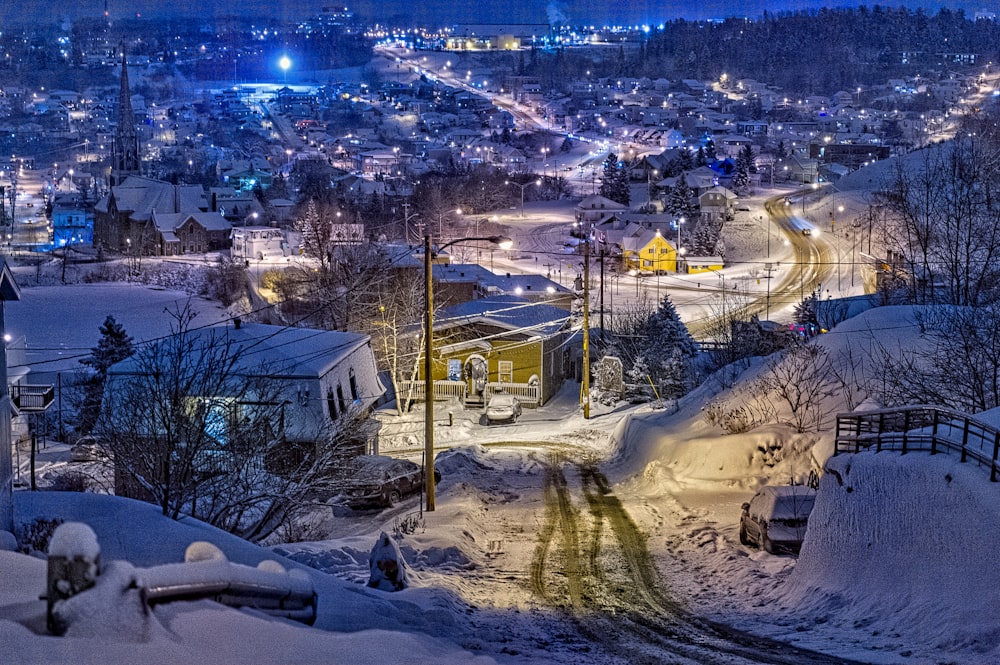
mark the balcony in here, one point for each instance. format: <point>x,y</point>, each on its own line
<point>31,398</point>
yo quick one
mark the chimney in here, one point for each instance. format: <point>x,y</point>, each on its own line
<point>237,322</point>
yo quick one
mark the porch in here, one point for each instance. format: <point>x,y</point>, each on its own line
<point>527,393</point>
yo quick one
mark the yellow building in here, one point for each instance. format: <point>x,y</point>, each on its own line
<point>649,252</point>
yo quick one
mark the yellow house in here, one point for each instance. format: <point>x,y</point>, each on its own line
<point>699,264</point>
<point>500,344</point>
<point>649,252</point>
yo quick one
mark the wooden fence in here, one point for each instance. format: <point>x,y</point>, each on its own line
<point>922,428</point>
<point>528,393</point>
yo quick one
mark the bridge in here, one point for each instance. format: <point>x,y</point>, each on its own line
<point>920,428</point>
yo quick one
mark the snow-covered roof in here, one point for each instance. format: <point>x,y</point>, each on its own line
<point>292,353</point>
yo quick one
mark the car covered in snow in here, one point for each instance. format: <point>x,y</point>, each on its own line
<point>378,480</point>
<point>503,408</point>
<point>775,518</point>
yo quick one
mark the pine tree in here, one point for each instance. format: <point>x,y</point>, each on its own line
<point>701,158</point>
<point>668,350</point>
<point>806,312</point>
<point>680,200</point>
<point>741,176</point>
<point>114,346</point>
<point>614,181</point>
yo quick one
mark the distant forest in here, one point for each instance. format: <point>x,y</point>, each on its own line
<point>818,52</point>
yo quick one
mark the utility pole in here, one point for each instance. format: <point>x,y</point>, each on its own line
<point>602,291</point>
<point>768,268</point>
<point>585,380</point>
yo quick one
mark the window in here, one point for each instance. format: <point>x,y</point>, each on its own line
<point>454,369</point>
<point>340,399</point>
<point>506,371</point>
<point>354,384</point>
<point>331,404</point>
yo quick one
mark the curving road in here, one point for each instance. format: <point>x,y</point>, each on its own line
<point>815,260</point>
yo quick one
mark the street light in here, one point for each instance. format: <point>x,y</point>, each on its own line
<point>503,243</point>
<point>523,187</point>
<point>285,63</point>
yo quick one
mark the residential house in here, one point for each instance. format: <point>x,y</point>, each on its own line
<point>649,252</point>
<point>717,204</point>
<point>501,344</point>
<point>257,243</point>
<point>322,375</point>
<point>596,209</point>
<point>72,222</point>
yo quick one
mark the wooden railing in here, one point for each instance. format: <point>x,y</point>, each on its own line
<point>31,397</point>
<point>923,428</point>
<point>528,393</point>
<point>442,389</point>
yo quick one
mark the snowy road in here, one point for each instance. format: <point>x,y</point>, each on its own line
<point>591,561</point>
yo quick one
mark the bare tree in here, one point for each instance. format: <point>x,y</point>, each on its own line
<point>942,222</point>
<point>196,426</point>
<point>801,379</point>
<point>956,365</point>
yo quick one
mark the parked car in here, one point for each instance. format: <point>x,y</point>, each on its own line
<point>378,480</point>
<point>86,449</point>
<point>775,518</point>
<point>502,408</point>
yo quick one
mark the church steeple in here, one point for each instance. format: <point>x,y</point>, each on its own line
<point>125,153</point>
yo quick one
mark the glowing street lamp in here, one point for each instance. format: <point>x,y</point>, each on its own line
<point>503,243</point>
<point>285,63</point>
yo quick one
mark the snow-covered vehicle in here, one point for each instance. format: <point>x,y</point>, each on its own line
<point>378,480</point>
<point>503,408</point>
<point>775,518</point>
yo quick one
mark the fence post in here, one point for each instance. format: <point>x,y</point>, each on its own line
<point>906,429</point>
<point>934,431</point>
<point>881,427</point>
<point>996,450</point>
<point>965,435</point>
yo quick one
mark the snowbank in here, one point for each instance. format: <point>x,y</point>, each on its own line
<point>896,542</point>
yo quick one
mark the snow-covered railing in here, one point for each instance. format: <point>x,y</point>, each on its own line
<point>74,569</point>
<point>526,393</point>
<point>442,389</point>
<point>268,588</point>
<point>925,428</point>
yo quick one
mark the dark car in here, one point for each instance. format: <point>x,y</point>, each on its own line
<point>377,480</point>
<point>775,518</point>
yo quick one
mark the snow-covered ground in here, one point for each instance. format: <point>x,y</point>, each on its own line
<point>895,568</point>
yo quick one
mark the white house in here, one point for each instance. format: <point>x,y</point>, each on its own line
<point>323,375</point>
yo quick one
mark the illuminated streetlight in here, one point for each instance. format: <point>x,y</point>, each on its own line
<point>285,63</point>
<point>523,187</point>
<point>503,243</point>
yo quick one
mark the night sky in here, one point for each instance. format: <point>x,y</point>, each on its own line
<point>433,12</point>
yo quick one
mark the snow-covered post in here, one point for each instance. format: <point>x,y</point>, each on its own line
<point>8,291</point>
<point>74,559</point>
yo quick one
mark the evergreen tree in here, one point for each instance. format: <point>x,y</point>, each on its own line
<point>701,159</point>
<point>614,181</point>
<point>686,160</point>
<point>114,346</point>
<point>680,201</point>
<point>668,350</point>
<point>807,311</point>
<point>741,176</point>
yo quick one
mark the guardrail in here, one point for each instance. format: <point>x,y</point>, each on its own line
<point>921,428</point>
